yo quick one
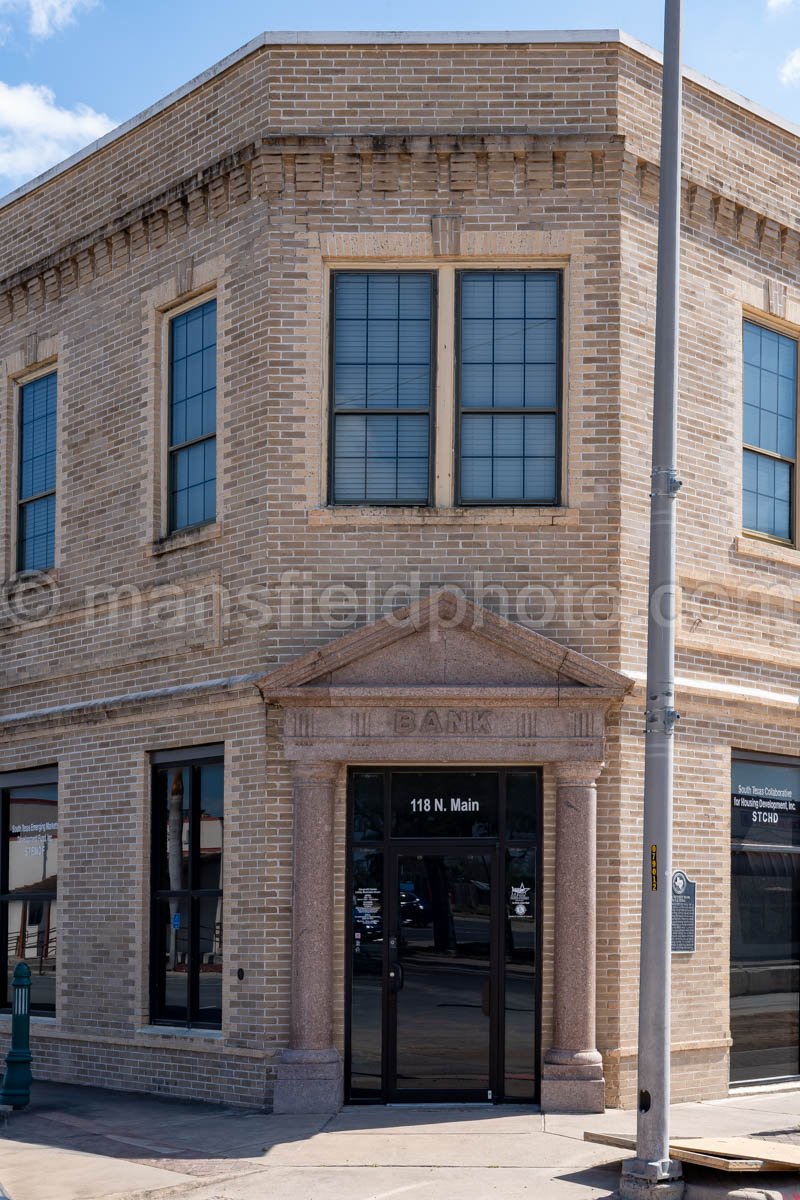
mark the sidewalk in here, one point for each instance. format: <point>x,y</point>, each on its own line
<point>77,1143</point>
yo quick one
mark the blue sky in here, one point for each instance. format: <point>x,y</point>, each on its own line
<point>71,69</point>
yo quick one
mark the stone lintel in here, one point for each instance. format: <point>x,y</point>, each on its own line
<point>442,751</point>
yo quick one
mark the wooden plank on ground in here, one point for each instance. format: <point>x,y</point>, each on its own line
<point>745,1147</point>
<point>685,1153</point>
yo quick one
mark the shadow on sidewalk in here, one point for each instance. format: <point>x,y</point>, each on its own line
<point>190,1136</point>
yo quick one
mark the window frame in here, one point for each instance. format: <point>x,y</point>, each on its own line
<point>792,333</point>
<point>332,275</point>
<point>20,504</point>
<point>170,450</point>
<point>194,759</point>
<point>458,499</point>
<point>9,781</point>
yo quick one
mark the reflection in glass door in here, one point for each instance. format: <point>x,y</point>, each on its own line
<point>439,968</point>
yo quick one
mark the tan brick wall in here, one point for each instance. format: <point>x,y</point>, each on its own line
<point>255,186</point>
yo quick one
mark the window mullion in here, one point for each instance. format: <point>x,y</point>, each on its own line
<point>206,437</point>
<point>38,496</point>
<point>443,403</point>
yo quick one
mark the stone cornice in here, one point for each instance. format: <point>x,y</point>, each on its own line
<point>309,168</point>
<point>711,211</point>
<point>570,698</point>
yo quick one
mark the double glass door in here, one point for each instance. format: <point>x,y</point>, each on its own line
<point>443,997</point>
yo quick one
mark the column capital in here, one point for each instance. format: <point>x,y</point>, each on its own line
<point>574,773</point>
<point>314,772</point>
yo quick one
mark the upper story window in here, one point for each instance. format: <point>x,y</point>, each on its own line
<point>508,385</point>
<point>382,382</point>
<point>770,431</point>
<point>193,417</point>
<point>36,509</point>
<point>188,823</point>
<point>28,883</point>
<point>493,434</point>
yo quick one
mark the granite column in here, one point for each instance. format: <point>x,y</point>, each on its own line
<point>309,1074</point>
<point>572,1077</point>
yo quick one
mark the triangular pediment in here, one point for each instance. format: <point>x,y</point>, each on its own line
<point>444,641</point>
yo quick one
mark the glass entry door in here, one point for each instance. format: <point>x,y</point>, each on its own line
<point>440,973</point>
<point>443,953</point>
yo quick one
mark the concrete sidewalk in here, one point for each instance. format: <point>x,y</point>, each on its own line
<point>77,1143</point>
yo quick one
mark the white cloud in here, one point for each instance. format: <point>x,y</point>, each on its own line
<point>776,6</point>
<point>790,71</point>
<point>48,16</point>
<point>35,133</point>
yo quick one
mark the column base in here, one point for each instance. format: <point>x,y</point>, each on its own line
<point>309,1081</point>
<point>573,1096</point>
<point>572,1082</point>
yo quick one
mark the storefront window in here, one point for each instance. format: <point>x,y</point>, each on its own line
<point>188,821</point>
<point>28,884</point>
<point>765,919</point>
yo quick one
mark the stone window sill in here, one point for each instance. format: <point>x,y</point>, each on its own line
<point>36,1019</point>
<point>768,552</point>
<point>33,579</point>
<point>370,517</point>
<point>185,538</point>
<point>176,1031</point>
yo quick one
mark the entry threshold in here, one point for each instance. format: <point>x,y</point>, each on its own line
<point>453,1104</point>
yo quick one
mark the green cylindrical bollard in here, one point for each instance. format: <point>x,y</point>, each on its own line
<point>16,1089</point>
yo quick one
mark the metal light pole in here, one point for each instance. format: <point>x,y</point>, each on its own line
<point>651,1173</point>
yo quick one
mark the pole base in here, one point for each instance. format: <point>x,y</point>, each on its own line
<point>16,1089</point>
<point>640,1181</point>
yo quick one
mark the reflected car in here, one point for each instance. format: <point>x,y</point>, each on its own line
<point>414,910</point>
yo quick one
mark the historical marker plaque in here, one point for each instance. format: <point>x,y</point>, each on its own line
<point>684,910</point>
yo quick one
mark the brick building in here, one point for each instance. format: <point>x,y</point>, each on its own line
<point>323,522</point>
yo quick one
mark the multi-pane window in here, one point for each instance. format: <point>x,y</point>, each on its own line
<point>37,474</point>
<point>770,435</point>
<point>193,417</point>
<point>508,386</point>
<point>188,822</point>
<point>28,883</point>
<point>381,387</point>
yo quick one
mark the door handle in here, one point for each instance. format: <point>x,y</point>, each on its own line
<point>396,978</point>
